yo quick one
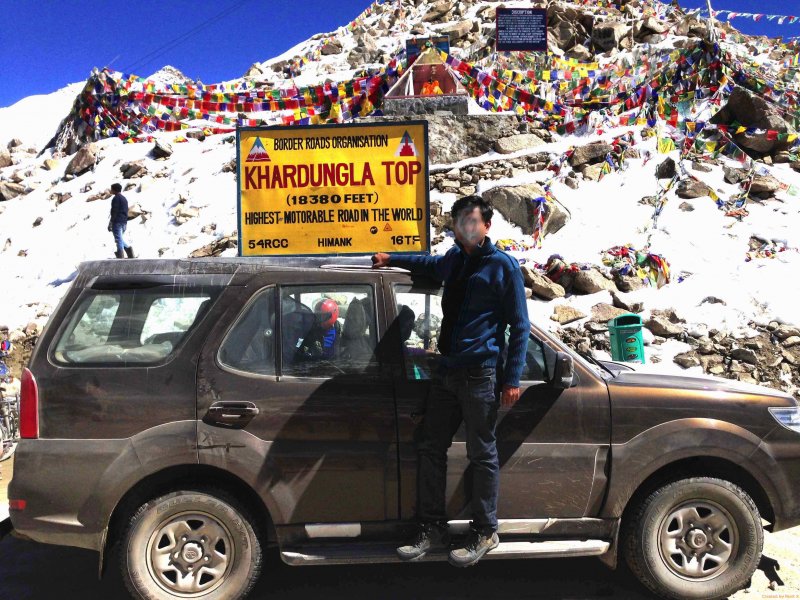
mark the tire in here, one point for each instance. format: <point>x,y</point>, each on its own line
<point>190,544</point>
<point>697,538</point>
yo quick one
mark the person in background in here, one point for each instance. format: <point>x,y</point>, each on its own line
<point>483,294</point>
<point>118,221</point>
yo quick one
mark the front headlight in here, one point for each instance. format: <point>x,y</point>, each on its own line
<point>788,417</point>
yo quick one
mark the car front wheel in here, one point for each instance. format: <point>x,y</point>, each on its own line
<point>697,538</point>
<point>190,544</point>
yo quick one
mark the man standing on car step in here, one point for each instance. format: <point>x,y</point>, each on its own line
<point>483,293</point>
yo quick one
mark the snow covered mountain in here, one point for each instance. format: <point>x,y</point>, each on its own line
<point>691,222</point>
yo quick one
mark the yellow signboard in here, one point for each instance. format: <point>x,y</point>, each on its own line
<point>333,189</point>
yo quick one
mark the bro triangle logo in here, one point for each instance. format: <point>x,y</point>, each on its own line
<point>258,153</point>
<point>406,147</point>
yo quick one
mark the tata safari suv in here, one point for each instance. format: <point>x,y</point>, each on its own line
<point>184,415</point>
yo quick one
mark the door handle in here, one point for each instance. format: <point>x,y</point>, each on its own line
<point>232,414</point>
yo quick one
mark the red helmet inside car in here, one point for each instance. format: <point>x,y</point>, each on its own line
<point>326,311</point>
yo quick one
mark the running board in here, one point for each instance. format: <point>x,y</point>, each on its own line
<point>352,554</point>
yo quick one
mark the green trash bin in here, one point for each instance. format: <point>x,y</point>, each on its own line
<point>627,344</point>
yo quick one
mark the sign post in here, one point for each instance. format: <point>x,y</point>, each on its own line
<point>521,29</point>
<point>333,189</point>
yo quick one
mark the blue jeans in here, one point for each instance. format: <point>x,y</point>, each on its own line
<point>465,394</point>
<point>119,229</point>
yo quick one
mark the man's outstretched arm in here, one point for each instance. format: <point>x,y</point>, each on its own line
<point>421,264</point>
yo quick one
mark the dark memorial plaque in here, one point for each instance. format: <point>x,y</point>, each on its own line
<point>521,29</point>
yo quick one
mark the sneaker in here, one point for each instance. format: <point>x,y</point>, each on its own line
<point>477,544</point>
<point>429,536</point>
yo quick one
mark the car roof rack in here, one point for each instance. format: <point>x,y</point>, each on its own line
<point>362,268</point>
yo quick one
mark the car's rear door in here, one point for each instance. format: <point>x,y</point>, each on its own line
<point>321,448</point>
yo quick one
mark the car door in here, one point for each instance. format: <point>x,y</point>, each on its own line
<point>313,435</point>
<point>553,444</point>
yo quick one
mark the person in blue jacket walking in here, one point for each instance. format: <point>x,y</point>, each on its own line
<point>484,294</point>
<point>118,221</point>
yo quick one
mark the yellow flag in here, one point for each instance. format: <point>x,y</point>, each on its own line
<point>665,145</point>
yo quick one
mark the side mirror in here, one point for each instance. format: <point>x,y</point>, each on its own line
<point>563,373</point>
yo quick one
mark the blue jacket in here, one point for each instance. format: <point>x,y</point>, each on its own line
<point>119,209</point>
<point>495,298</point>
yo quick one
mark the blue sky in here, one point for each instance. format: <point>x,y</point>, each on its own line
<point>47,44</point>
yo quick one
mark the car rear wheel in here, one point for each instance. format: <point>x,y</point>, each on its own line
<point>694,538</point>
<point>190,544</point>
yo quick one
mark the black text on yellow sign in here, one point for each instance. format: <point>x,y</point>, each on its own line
<point>333,189</point>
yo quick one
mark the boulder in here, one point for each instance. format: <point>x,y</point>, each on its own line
<point>564,314</point>
<point>516,204</point>
<point>580,53</point>
<point>216,247</point>
<point>623,301</point>
<point>698,166</point>
<point>196,134</point>
<point>331,47</point>
<point>564,35</point>
<point>5,159</point>
<point>50,164</point>
<point>456,31</point>
<point>687,359</point>
<point>603,312</point>
<point>9,190</point>
<point>452,138</point>
<point>745,355</point>
<point>734,175</point>
<point>590,153</point>
<point>133,169</point>
<point>661,325</point>
<point>161,149</point>
<point>666,170</point>
<point>751,110</point>
<point>541,286</point>
<point>592,172</point>
<point>436,11</point>
<point>765,185</point>
<point>786,331</point>
<point>591,281</point>
<point>609,34</point>
<point>14,143</point>
<point>83,160</point>
<point>515,143</point>
<point>692,188</point>
<point>654,25</point>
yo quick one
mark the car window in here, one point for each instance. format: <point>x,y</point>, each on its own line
<point>419,319</point>
<point>250,343</point>
<point>130,326</point>
<point>327,330</point>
